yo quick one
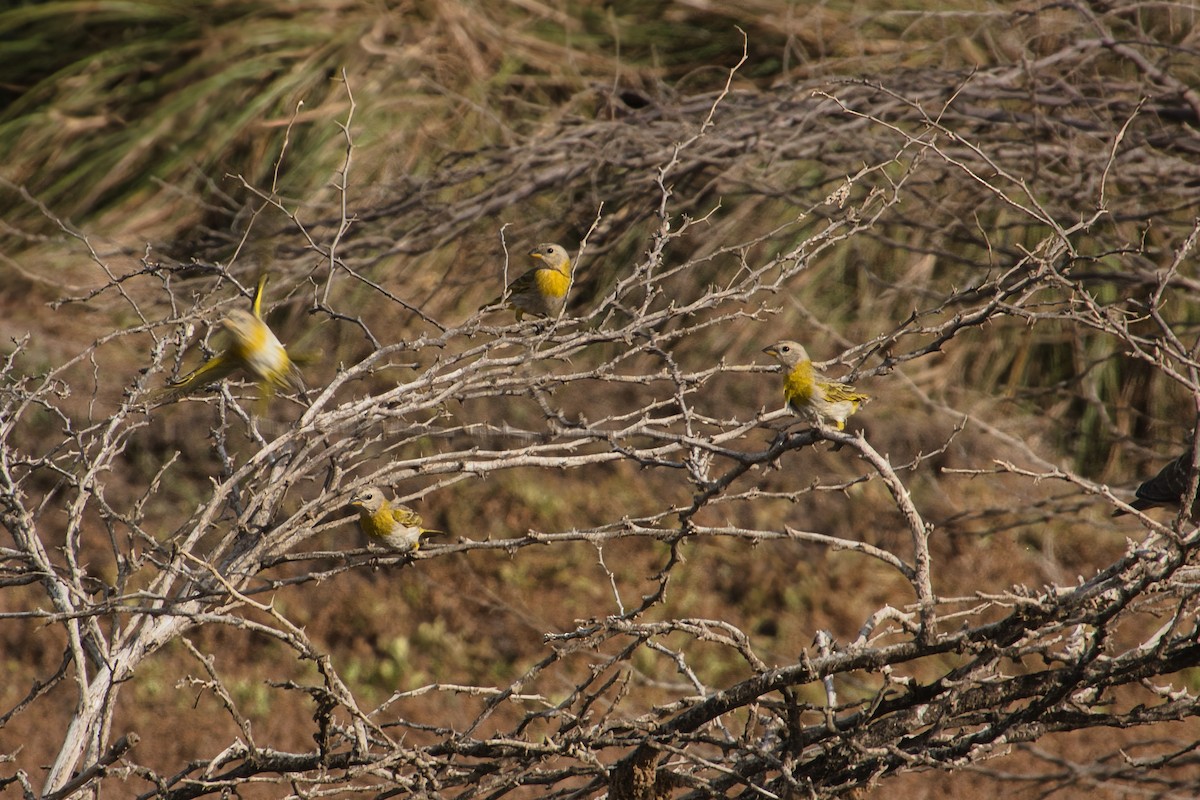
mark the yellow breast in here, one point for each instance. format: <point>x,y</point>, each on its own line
<point>379,524</point>
<point>552,283</point>
<point>798,385</point>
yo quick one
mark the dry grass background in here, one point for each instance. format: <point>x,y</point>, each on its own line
<point>140,126</point>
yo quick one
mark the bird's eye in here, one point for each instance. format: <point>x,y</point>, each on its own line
<point>786,349</point>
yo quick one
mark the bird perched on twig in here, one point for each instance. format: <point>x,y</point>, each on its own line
<point>254,348</point>
<point>808,394</point>
<point>541,291</point>
<point>1167,488</point>
<point>394,525</point>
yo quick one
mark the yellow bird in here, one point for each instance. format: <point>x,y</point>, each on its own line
<point>809,395</point>
<point>254,348</point>
<point>392,524</point>
<point>542,290</point>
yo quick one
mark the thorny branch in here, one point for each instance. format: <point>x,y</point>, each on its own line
<point>939,682</point>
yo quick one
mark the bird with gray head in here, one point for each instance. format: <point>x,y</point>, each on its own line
<point>542,291</point>
<point>394,525</point>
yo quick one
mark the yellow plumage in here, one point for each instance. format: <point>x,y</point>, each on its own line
<point>253,347</point>
<point>809,395</point>
<point>542,290</point>
<point>396,526</point>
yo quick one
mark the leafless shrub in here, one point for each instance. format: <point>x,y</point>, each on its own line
<point>613,382</point>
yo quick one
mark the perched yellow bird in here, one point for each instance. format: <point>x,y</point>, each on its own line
<point>393,524</point>
<point>1167,488</point>
<point>254,347</point>
<point>806,393</point>
<point>542,290</point>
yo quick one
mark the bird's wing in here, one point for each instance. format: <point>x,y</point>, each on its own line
<point>838,392</point>
<point>525,283</point>
<point>406,517</point>
<point>259,291</point>
<point>1170,484</point>
<point>210,371</point>
<point>410,519</point>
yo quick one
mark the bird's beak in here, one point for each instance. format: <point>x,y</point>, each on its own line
<point>536,254</point>
<point>771,351</point>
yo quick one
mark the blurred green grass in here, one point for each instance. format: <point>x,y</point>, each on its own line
<point>121,110</point>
